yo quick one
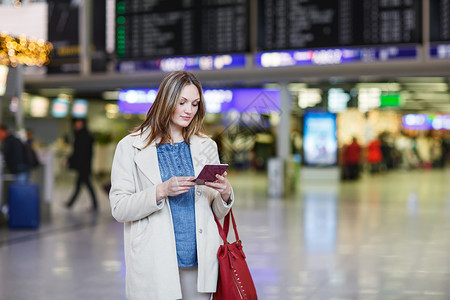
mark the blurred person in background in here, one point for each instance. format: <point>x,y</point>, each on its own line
<point>352,158</point>
<point>32,158</point>
<point>445,149</point>
<point>436,151</point>
<point>423,146</point>
<point>81,161</point>
<point>405,147</point>
<point>389,152</point>
<point>14,155</point>
<point>170,236</point>
<point>374,156</point>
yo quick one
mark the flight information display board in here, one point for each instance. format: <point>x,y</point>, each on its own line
<point>152,29</point>
<point>439,20</point>
<point>285,24</point>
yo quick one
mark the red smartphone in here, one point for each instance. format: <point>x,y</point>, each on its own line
<point>209,172</point>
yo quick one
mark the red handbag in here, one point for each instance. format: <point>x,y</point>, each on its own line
<point>235,280</point>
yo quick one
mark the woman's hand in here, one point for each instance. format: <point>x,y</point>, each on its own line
<point>174,186</point>
<point>222,185</point>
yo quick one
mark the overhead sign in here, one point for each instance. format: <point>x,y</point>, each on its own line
<point>333,56</point>
<point>390,100</point>
<point>426,121</point>
<point>440,51</point>
<point>169,64</point>
<point>63,33</point>
<point>216,100</point>
<point>154,29</point>
<point>286,24</point>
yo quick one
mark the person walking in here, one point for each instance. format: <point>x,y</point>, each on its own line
<point>81,161</point>
<point>170,236</point>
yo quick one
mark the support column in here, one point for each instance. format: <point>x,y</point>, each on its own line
<point>284,128</point>
<point>18,93</point>
<point>426,30</point>
<point>277,167</point>
<point>85,36</point>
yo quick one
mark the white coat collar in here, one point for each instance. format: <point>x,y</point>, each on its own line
<point>147,158</point>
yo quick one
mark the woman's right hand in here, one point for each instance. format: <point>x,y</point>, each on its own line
<point>174,186</point>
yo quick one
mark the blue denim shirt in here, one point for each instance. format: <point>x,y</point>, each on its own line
<point>176,160</point>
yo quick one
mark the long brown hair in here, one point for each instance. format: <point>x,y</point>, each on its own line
<point>159,115</point>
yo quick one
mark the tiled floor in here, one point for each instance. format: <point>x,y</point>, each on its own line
<point>383,237</point>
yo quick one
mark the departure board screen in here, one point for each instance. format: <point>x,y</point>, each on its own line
<point>285,24</point>
<point>439,20</point>
<point>153,29</point>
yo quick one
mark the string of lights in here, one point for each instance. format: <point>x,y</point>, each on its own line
<point>21,50</point>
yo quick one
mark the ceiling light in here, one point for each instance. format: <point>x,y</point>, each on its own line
<point>55,92</point>
<point>110,95</point>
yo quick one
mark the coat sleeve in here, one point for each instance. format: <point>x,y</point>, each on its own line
<point>127,203</point>
<point>219,206</point>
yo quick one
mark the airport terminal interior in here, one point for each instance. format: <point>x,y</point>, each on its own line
<point>334,118</point>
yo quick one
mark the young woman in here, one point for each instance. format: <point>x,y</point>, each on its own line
<point>171,238</point>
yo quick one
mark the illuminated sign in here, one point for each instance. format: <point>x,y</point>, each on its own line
<point>39,106</point>
<point>169,64</point>
<point>136,101</point>
<point>320,140</point>
<point>253,101</point>
<point>368,98</point>
<point>416,122</point>
<point>426,121</point>
<point>337,100</point>
<point>3,78</point>
<point>390,100</point>
<point>309,97</point>
<point>216,100</point>
<point>60,108</point>
<point>79,108</point>
<point>440,51</point>
<point>441,122</point>
<point>332,56</point>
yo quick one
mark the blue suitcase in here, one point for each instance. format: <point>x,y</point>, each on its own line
<point>23,202</point>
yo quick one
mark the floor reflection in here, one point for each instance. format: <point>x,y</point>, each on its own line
<point>320,220</point>
<point>382,237</point>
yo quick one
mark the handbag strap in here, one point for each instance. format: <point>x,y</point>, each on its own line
<point>223,231</point>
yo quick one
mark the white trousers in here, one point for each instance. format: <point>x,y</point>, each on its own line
<point>188,280</point>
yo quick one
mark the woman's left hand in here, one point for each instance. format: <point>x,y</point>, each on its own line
<point>222,185</point>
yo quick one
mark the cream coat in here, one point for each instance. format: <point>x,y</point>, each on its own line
<point>150,251</point>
